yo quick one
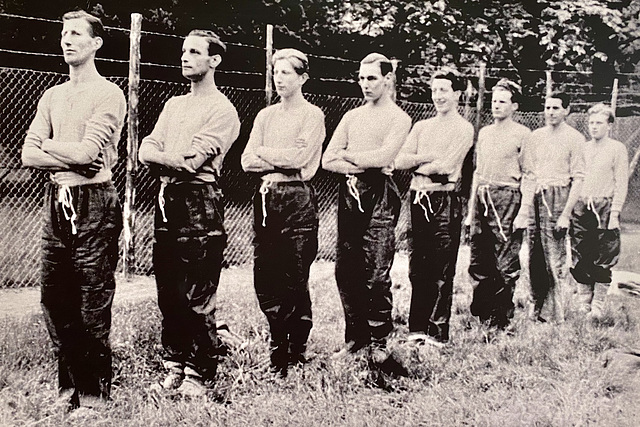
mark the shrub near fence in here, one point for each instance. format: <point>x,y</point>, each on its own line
<point>21,190</point>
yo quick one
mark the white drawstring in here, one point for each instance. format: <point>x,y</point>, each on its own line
<point>483,191</point>
<point>352,180</point>
<point>417,200</point>
<point>264,189</point>
<point>541,189</point>
<point>161,203</point>
<point>65,198</point>
<point>592,207</point>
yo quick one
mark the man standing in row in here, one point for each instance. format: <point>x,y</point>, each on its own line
<point>493,205</point>
<point>75,135</point>
<point>553,167</point>
<point>186,150</point>
<point>435,151</point>
<point>595,225</point>
<point>362,149</point>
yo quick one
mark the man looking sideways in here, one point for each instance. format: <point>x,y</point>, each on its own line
<point>362,149</point>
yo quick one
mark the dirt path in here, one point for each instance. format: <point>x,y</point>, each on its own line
<point>26,301</point>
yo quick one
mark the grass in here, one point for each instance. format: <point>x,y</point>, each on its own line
<point>542,375</point>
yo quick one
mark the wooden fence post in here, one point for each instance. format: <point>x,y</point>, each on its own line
<point>481,91</point>
<point>129,253</point>
<point>549,82</point>
<point>268,88</point>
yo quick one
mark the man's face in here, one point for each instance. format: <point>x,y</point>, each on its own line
<point>372,82</point>
<point>285,78</point>
<point>501,105</point>
<point>554,112</point>
<point>78,45</point>
<point>444,98</point>
<point>599,126</point>
<point>196,62</point>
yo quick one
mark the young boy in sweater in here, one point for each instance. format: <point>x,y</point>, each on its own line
<point>595,224</point>
<point>494,202</point>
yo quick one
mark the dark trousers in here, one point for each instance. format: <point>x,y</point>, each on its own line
<point>594,248</point>
<point>285,246</point>
<point>365,252</point>
<point>187,260</point>
<point>495,254</point>
<point>434,242</point>
<point>547,253</point>
<point>78,284</point>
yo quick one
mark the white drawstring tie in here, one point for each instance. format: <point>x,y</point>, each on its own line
<point>65,198</point>
<point>485,198</point>
<point>352,180</point>
<point>264,189</point>
<point>417,200</point>
<point>161,202</point>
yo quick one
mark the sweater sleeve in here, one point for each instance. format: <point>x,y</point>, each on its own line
<point>577,166</point>
<point>452,159</point>
<point>408,156</point>
<point>156,139</point>
<point>306,144</point>
<point>386,153</point>
<point>621,177</point>
<point>107,118</point>
<point>250,160</point>
<point>215,137</point>
<point>333,158</point>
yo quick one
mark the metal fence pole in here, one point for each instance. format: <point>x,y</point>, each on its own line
<point>129,253</point>
<point>268,91</point>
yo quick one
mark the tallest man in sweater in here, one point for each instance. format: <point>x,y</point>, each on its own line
<point>74,136</point>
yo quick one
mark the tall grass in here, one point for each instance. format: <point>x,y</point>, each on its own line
<point>539,375</point>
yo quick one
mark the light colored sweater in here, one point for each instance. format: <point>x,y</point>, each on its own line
<point>498,154</point>
<point>206,125</point>
<point>607,171</point>
<point>445,141</point>
<point>287,139</point>
<point>554,157</point>
<point>79,121</point>
<point>374,130</point>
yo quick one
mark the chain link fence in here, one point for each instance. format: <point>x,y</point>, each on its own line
<point>21,189</point>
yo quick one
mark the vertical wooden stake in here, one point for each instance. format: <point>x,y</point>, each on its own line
<point>549,82</point>
<point>481,91</point>
<point>268,88</point>
<point>129,254</point>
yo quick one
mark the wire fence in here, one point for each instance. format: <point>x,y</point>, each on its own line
<point>22,190</point>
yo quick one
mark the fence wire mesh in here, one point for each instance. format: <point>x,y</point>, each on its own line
<point>22,190</point>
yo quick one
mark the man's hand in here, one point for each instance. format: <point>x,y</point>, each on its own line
<point>90,170</point>
<point>614,221</point>
<point>178,161</point>
<point>562,224</point>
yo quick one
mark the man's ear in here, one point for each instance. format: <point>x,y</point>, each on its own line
<point>215,60</point>
<point>97,41</point>
<point>305,77</point>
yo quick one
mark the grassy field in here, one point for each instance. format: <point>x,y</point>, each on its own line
<point>541,375</point>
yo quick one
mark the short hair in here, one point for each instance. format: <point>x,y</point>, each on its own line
<point>97,29</point>
<point>603,109</point>
<point>456,79</point>
<point>216,46</point>
<point>510,86</point>
<point>386,66</point>
<point>566,100</point>
<point>297,59</point>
